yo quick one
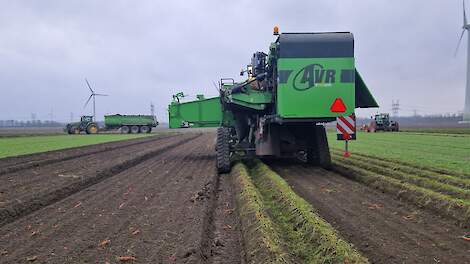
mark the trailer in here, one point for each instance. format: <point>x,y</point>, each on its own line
<point>303,82</point>
<point>130,123</point>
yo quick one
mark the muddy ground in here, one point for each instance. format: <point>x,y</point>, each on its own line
<point>160,200</point>
<point>384,229</point>
<point>162,203</point>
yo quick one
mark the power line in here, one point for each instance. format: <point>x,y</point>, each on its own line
<point>395,107</point>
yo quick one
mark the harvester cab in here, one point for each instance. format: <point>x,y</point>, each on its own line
<point>290,93</point>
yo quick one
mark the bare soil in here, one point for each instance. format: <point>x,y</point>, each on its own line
<point>384,229</point>
<point>159,202</point>
<point>11,164</point>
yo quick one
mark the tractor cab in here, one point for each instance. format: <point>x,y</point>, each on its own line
<point>86,119</point>
<point>382,122</point>
<point>86,124</point>
<point>382,119</point>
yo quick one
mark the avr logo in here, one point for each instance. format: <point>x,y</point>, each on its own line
<point>313,75</point>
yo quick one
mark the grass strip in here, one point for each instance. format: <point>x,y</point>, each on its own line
<point>29,145</point>
<point>261,241</point>
<point>409,164</point>
<point>308,237</point>
<point>440,177</point>
<point>444,205</point>
<point>420,181</point>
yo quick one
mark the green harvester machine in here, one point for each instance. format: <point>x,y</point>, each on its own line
<point>305,81</point>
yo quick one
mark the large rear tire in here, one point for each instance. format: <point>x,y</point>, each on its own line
<point>92,129</point>
<point>223,150</point>
<point>319,153</point>
<point>144,129</point>
<point>125,130</point>
<point>134,129</point>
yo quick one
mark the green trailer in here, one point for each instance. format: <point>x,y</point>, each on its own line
<point>130,123</point>
<point>303,82</point>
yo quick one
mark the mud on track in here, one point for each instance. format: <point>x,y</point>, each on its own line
<point>383,229</point>
<point>169,207</point>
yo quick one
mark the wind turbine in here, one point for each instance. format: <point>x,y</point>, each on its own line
<point>92,95</point>
<point>466,27</point>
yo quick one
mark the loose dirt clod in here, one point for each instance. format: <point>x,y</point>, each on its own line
<point>126,258</point>
<point>104,242</point>
<point>32,258</point>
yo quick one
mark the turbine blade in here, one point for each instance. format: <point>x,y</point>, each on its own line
<point>458,44</point>
<point>89,86</point>
<point>215,85</point>
<point>464,15</point>
<point>102,94</point>
<point>87,101</point>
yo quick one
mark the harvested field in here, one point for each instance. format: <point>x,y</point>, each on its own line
<point>383,228</point>
<point>160,200</point>
<point>160,204</point>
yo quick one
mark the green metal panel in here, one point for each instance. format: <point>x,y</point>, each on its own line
<point>364,98</point>
<point>258,100</point>
<point>200,113</point>
<point>119,120</point>
<point>307,87</point>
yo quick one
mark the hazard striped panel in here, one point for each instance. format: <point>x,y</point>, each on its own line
<point>346,127</point>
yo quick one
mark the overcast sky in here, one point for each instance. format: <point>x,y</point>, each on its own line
<point>143,51</point>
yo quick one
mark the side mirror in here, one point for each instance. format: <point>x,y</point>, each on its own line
<point>242,72</point>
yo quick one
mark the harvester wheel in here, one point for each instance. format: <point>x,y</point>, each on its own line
<point>125,130</point>
<point>134,129</point>
<point>223,150</point>
<point>319,152</point>
<point>144,129</point>
<point>92,129</point>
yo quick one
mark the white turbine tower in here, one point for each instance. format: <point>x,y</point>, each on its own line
<point>466,27</point>
<point>92,95</point>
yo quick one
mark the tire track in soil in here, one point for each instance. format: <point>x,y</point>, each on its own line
<point>384,229</point>
<point>165,198</point>
<point>23,193</point>
<point>222,241</point>
<point>23,162</point>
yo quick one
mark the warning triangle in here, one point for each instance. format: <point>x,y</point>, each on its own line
<point>338,106</point>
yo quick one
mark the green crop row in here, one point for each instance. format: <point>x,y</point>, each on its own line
<point>261,241</point>
<point>443,177</point>
<point>303,233</point>
<point>443,204</point>
<point>428,183</point>
<point>440,152</point>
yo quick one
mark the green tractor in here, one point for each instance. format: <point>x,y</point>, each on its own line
<point>382,122</point>
<point>305,81</point>
<point>86,124</point>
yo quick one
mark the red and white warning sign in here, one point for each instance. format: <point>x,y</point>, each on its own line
<point>346,127</point>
